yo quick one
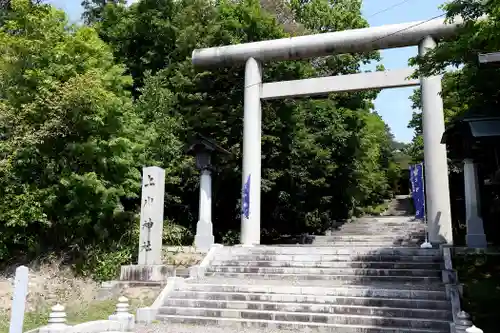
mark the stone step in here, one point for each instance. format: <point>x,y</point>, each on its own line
<point>403,303</point>
<point>386,221</point>
<point>387,244</point>
<point>304,258</point>
<point>370,242</point>
<point>237,323</point>
<point>363,238</point>
<point>379,232</point>
<point>322,318</point>
<point>303,271</point>
<point>390,289</point>
<point>319,250</point>
<point>328,277</point>
<point>330,264</point>
<point>369,226</point>
<point>383,230</point>
<point>385,225</point>
<point>322,283</point>
<point>402,227</point>
<point>408,220</point>
<point>365,310</point>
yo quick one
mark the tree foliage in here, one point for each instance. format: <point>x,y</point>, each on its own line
<point>83,109</point>
<point>70,143</point>
<point>467,86</point>
<point>94,9</point>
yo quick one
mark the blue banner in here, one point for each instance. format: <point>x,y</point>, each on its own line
<point>245,209</point>
<point>417,189</point>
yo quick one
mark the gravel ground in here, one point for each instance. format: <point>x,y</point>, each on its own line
<point>187,328</point>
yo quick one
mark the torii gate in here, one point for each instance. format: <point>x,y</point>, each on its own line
<point>422,33</point>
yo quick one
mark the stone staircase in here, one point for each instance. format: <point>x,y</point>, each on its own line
<point>370,276</point>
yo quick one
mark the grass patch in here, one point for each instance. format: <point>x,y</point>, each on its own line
<point>97,310</point>
<point>374,210</point>
<point>480,275</point>
<point>31,320</point>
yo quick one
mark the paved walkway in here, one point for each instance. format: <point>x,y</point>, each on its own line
<point>400,206</point>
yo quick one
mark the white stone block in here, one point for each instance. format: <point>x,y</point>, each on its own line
<point>126,319</point>
<point>196,272</point>
<point>146,315</point>
<point>57,320</point>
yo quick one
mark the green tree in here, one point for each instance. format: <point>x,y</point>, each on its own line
<point>70,138</point>
<point>468,87</point>
<point>4,8</point>
<point>313,150</point>
<point>93,10</point>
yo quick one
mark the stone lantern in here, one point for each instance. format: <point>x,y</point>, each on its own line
<point>203,149</point>
<point>472,138</point>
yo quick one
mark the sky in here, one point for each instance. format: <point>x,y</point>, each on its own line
<point>392,104</point>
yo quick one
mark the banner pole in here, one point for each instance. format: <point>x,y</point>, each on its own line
<point>425,244</point>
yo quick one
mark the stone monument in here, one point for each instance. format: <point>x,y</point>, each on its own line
<point>150,267</point>
<point>151,223</point>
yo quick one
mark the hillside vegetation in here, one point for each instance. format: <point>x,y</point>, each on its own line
<point>83,108</point>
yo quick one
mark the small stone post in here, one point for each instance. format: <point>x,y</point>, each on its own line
<point>151,223</point>
<point>19,299</point>
<point>463,322</point>
<point>57,320</point>
<point>126,319</point>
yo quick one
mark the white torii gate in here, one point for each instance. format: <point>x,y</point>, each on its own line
<point>422,33</point>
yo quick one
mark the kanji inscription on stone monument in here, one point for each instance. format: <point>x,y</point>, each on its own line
<point>151,222</point>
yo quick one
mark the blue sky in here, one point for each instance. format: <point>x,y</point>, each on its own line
<point>392,104</point>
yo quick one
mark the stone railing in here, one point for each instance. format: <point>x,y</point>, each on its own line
<point>148,314</point>
<point>120,321</point>
<point>463,324</point>
<point>461,320</point>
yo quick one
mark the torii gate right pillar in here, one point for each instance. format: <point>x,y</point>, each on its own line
<point>436,166</point>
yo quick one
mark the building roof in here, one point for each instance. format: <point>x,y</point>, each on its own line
<point>201,142</point>
<point>465,135</point>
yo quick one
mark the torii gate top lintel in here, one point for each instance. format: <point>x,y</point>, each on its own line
<point>347,41</point>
